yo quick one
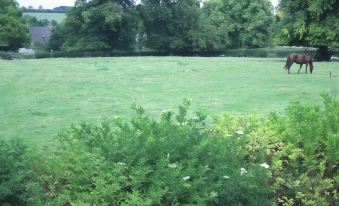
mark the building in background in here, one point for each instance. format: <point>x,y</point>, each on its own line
<point>40,36</point>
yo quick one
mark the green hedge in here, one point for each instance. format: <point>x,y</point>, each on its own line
<point>278,52</point>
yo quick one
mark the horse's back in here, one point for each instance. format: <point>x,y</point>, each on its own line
<point>300,58</point>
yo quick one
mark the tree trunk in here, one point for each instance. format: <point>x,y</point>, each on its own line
<point>323,54</point>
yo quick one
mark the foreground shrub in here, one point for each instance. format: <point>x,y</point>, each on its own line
<point>17,185</point>
<point>173,161</point>
<point>301,149</point>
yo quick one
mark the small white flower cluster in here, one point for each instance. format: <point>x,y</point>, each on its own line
<point>243,171</point>
<point>173,165</point>
<point>239,132</point>
<point>120,163</point>
<point>265,165</point>
<point>186,178</point>
<point>226,177</point>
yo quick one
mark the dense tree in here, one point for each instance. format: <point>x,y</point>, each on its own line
<point>309,23</point>
<point>13,30</point>
<point>165,25</point>
<point>170,25</point>
<point>99,25</point>
<point>237,24</point>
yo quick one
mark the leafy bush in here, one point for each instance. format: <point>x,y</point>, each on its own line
<point>6,55</point>
<point>16,175</point>
<point>173,161</point>
<point>301,149</point>
<point>246,53</point>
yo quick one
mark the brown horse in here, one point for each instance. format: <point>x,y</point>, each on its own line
<point>299,59</point>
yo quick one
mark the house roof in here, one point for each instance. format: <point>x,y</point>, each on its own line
<point>40,34</point>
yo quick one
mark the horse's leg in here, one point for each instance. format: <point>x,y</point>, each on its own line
<point>306,69</point>
<point>289,67</point>
<point>300,68</point>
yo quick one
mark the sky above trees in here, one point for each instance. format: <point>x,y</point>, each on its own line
<point>50,4</point>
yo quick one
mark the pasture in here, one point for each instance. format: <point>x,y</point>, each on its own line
<point>39,98</point>
<point>58,17</point>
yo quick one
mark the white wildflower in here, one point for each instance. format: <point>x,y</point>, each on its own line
<point>186,178</point>
<point>240,132</point>
<point>173,165</point>
<point>264,165</point>
<point>226,177</point>
<point>214,194</point>
<point>121,163</point>
<point>168,155</point>
<point>243,171</point>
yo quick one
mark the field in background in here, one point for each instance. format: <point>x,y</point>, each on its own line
<point>39,98</point>
<point>49,16</point>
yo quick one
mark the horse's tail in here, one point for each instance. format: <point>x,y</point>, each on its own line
<point>287,62</point>
<point>311,65</point>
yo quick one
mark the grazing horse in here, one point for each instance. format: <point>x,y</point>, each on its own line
<point>299,59</point>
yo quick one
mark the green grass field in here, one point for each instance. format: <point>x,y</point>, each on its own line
<point>39,98</point>
<point>49,16</point>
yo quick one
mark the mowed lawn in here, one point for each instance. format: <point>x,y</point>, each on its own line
<point>39,98</point>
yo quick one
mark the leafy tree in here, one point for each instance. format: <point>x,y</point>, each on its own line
<point>34,22</point>
<point>99,25</point>
<point>170,25</point>
<point>239,23</point>
<point>13,31</point>
<point>310,23</point>
<point>57,38</point>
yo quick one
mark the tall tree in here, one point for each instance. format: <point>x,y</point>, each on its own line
<point>170,25</point>
<point>13,30</point>
<point>310,23</point>
<point>247,23</point>
<point>99,25</point>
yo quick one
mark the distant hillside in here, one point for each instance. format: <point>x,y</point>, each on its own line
<point>49,16</point>
<point>59,9</point>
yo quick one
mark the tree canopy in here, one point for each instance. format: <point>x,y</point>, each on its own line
<point>170,25</point>
<point>309,23</point>
<point>164,25</point>
<point>239,24</point>
<point>13,30</point>
<point>98,25</point>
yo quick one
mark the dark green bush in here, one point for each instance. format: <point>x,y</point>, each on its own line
<point>17,186</point>
<point>301,149</point>
<point>246,53</point>
<point>174,161</point>
<point>6,55</point>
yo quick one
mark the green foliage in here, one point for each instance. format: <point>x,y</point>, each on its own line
<point>170,25</point>
<point>176,160</point>
<point>97,26</point>
<point>301,149</point>
<point>34,22</point>
<point>309,22</point>
<point>239,23</point>
<point>13,31</point>
<point>16,175</point>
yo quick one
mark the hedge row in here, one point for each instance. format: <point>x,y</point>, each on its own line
<point>262,52</point>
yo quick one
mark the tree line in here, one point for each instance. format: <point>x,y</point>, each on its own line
<point>182,25</point>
